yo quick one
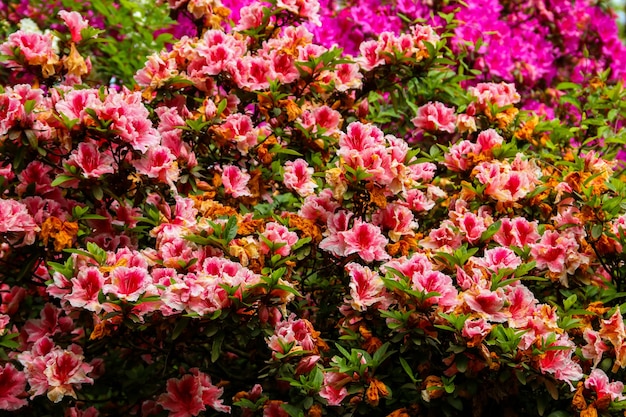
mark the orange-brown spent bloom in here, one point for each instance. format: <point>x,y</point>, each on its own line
<point>306,226</point>
<point>63,233</point>
<point>74,63</point>
<point>589,412</point>
<point>433,388</point>
<point>315,411</point>
<point>263,150</point>
<point>400,412</point>
<point>377,196</point>
<point>376,390</point>
<point>578,401</point>
<point>291,108</point>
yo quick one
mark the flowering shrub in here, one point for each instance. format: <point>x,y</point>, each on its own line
<point>262,228</point>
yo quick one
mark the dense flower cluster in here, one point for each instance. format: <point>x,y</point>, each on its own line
<point>244,233</point>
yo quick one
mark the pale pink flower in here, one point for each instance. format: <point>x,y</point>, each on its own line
<point>397,219</point>
<point>75,102</point>
<point>488,139</point>
<point>91,161</point>
<point>159,163</point>
<point>522,303</point>
<point>499,258</point>
<point>502,94</point>
<point>334,387</point>
<point>277,234</point>
<point>283,65</point>
<point>559,361</point>
<point>516,232</point>
<point>85,289</point>
<point>435,116</point>
<point>445,237</point>
<point>457,157</point>
<point>347,77</point>
<point>50,323</point>
<point>298,176</point>
<point>308,9</point>
<point>239,129</point>
<point>75,23</point>
<point>65,370</point>
<point>599,382</point>
<point>436,282</point>
<point>319,207</point>
<point>292,335</point>
<point>128,283</point>
<point>250,16</point>
<point>553,250</point>
<point>36,49</point>
<point>476,329</point>
<point>156,71</point>
<point>12,388</point>
<point>366,287</point>
<point>337,224</point>
<point>472,227</point>
<point>16,223</point>
<point>595,347</point>
<point>189,395</point>
<point>366,240</point>
<point>235,181</point>
<point>488,304</point>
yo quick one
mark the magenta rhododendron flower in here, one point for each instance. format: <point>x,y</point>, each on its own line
<point>435,116</point>
<point>12,388</point>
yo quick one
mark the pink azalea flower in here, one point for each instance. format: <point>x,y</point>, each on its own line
<point>319,207</point>
<point>12,388</point>
<point>189,395</point>
<point>128,283</point>
<point>435,116</point>
<point>595,347</point>
<point>366,240</point>
<point>50,323</point>
<point>91,161</point>
<point>366,287</point>
<point>34,47</point>
<point>277,233</point>
<point>296,334</point>
<point>499,258</point>
<point>489,304</point>
<point>75,23</point>
<point>334,387</point>
<point>599,382</point>
<point>476,329</point>
<point>308,9</point>
<point>472,227</point>
<point>502,94</point>
<point>516,232</point>
<point>437,282</point>
<point>235,181</point>
<point>559,361</point>
<point>396,218</point>
<point>456,159</point>
<point>64,371</point>
<point>553,250</point>
<point>15,219</point>
<point>159,163</point>
<point>488,139</point>
<point>299,177</point>
<point>85,289</point>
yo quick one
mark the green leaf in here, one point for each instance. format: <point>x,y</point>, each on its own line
<point>216,347</point>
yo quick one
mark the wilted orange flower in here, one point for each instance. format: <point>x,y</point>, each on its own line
<point>74,63</point>
<point>63,233</point>
<point>376,390</point>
